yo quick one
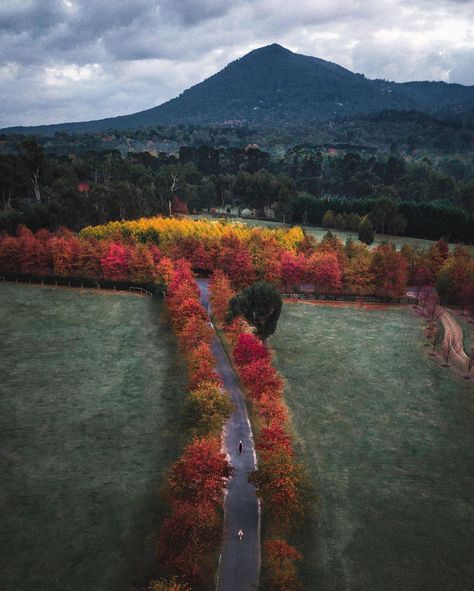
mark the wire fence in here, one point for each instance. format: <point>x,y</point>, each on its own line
<point>145,289</point>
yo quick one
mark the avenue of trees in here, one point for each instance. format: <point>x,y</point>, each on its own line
<point>281,481</point>
<point>190,535</point>
<point>42,190</point>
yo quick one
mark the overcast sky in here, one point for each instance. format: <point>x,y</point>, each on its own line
<point>75,60</point>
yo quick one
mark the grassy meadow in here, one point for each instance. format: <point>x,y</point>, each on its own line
<point>388,437</point>
<point>90,390</point>
<point>318,233</point>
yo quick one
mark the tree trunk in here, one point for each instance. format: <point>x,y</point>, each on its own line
<point>36,188</point>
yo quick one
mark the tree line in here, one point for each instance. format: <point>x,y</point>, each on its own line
<point>47,191</point>
<point>142,251</point>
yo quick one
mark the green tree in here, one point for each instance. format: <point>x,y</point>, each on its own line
<point>384,211</point>
<point>260,304</point>
<point>366,231</point>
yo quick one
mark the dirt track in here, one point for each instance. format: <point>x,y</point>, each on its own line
<point>453,334</point>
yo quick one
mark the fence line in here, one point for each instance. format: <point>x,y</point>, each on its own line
<point>140,290</point>
<point>350,298</point>
<point>145,289</point>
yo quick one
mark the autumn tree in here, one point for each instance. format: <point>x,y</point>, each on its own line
<point>259,377</point>
<point>283,487</point>
<point>248,349</point>
<point>221,293</point>
<point>280,566</point>
<point>142,266</point>
<point>199,474</point>
<point>10,254</point>
<point>324,272</point>
<point>168,585</point>
<point>115,262</point>
<point>186,540</point>
<point>208,407</point>
<point>389,269</point>
<point>292,270</point>
<point>65,252</point>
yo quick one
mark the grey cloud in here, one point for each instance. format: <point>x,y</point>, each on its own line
<point>80,59</point>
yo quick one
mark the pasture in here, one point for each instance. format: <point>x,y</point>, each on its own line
<point>90,388</point>
<point>318,233</point>
<point>388,437</point>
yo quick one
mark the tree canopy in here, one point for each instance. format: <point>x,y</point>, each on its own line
<point>260,304</point>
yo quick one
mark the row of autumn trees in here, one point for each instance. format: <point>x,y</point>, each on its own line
<point>190,536</point>
<point>280,480</point>
<point>142,251</point>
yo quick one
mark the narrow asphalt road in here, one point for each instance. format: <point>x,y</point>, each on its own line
<point>240,559</point>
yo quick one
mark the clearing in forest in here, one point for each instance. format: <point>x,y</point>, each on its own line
<point>388,437</point>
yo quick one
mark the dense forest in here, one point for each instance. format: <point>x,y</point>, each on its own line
<point>426,198</point>
<point>409,132</point>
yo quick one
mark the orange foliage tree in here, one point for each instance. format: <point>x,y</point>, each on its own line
<point>221,293</point>
<point>280,567</point>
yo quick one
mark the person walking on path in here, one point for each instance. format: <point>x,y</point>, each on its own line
<point>241,447</point>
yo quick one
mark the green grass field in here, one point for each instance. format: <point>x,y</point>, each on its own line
<point>388,437</point>
<point>318,233</point>
<point>90,391</point>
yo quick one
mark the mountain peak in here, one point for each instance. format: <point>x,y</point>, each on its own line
<point>273,86</point>
<point>274,48</point>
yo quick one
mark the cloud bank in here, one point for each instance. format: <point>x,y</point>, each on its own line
<point>75,60</point>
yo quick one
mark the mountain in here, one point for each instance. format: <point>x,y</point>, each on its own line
<point>273,86</point>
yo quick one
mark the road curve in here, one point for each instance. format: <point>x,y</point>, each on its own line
<point>453,334</point>
<point>239,565</point>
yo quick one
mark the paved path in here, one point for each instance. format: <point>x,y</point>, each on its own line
<point>240,560</point>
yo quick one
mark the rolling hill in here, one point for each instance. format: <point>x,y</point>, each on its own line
<point>273,86</point>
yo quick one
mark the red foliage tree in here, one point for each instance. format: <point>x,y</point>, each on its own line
<point>272,409</point>
<point>184,309</point>
<point>324,271</point>
<point>292,270</point>
<point>35,255</point>
<point>65,255</point>
<point>186,538</point>
<point>248,349</point>
<point>199,475</point>
<point>280,481</point>
<point>273,437</point>
<point>281,565</point>
<point>178,207</point>
<point>240,271</point>
<point>142,266</point>
<point>259,377</point>
<point>115,262</point>
<point>10,254</point>
<point>195,331</point>
<point>389,268</point>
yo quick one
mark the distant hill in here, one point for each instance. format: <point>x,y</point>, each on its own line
<point>273,86</point>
